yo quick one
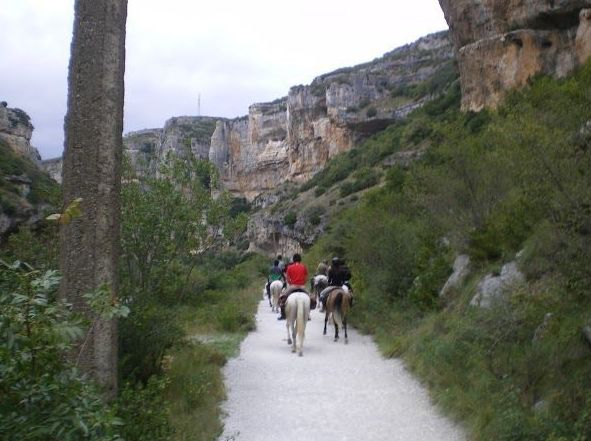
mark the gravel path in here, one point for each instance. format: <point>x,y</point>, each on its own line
<point>334,392</point>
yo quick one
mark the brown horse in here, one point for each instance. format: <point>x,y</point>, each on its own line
<point>338,304</point>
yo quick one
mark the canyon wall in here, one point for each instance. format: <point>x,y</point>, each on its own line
<point>500,44</point>
<point>16,131</point>
<point>292,138</point>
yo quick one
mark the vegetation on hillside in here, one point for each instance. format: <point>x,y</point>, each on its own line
<point>488,185</point>
<point>179,284</point>
<point>43,188</point>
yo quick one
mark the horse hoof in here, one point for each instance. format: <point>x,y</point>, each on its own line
<point>346,341</point>
<point>293,350</point>
<point>324,333</point>
<point>335,340</point>
<point>289,342</point>
<point>301,354</point>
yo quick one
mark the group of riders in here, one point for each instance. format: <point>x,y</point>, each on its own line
<point>294,276</point>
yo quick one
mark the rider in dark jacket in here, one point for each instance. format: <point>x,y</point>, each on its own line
<point>338,275</point>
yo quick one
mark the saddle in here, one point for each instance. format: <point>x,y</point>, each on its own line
<point>283,298</point>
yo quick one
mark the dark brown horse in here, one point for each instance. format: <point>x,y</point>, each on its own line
<point>338,304</point>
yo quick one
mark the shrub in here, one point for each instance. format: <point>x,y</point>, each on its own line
<point>290,219</point>
<point>144,411</point>
<point>371,112</point>
<point>41,396</point>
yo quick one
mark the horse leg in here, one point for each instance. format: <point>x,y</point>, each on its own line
<point>325,321</point>
<point>345,329</point>
<point>293,334</point>
<point>336,331</point>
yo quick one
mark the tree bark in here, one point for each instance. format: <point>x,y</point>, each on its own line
<point>92,171</point>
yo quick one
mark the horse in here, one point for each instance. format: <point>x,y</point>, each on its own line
<point>317,285</point>
<point>275,289</point>
<point>338,304</point>
<point>297,312</point>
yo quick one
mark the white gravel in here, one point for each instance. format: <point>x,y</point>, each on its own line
<point>334,392</point>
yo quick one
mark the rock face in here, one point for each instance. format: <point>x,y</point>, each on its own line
<point>141,148</point>
<point>53,167</point>
<point>501,44</point>
<point>492,288</point>
<point>292,138</point>
<point>16,131</point>
<point>461,269</point>
<point>182,137</point>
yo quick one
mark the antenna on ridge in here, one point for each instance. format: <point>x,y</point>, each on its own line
<point>199,105</point>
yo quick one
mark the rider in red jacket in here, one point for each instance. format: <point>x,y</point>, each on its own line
<point>296,275</point>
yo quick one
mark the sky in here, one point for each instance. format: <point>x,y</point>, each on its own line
<point>231,53</point>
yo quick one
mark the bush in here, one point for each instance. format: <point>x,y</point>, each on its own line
<point>41,396</point>
<point>290,219</point>
<point>145,411</point>
<point>371,112</point>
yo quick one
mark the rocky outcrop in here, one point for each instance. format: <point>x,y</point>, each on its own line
<point>141,149</point>
<point>187,135</point>
<point>16,131</point>
<point>292,138</point>
<point>492,288</point>
<point>182,137</point>
<point>251,152</point>
<point>461,269</point>
<point>53,167</point>
<point>501,44</point>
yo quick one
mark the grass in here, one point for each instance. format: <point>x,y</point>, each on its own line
<point>214,331</point>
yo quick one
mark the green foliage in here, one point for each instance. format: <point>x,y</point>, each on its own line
<point>41,396</point>
<point>362,179</point>
<point>38,247</point>
<point>43,188</point>
<point>371,112</point>
<point>290,219</point>
<point>167,219</point>
<point>315,213</point>
<point>492,184</point>
<point>145,411</point>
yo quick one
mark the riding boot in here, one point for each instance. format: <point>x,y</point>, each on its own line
<point>282,316</point>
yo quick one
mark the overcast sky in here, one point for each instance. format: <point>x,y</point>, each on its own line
<point>231,52</point>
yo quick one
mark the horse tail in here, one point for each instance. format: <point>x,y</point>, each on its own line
<point>300,321</point>
<point>338,308</point>
<point>345,303</point>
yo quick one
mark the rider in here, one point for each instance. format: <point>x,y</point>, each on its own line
<point>321,270</point>
<point>275,273</point>
<point>296,275</point>
<point>338,275</point>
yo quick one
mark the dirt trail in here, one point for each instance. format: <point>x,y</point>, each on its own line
<point>334,392</point>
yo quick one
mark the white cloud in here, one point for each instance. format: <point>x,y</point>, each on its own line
<point>232,52</point>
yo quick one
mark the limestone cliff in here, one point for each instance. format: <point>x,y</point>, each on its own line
<point>292,138</point>
<point>25,190</point>
<point>181,136</point>
<point>16,131</point>
<point>501,44</point>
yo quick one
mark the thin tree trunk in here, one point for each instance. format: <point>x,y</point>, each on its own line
<point>92,171</point>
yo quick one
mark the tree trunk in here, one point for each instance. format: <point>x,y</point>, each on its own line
<point>92,171</point>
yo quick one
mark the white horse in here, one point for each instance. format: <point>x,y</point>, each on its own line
<point>318,283</point>
<point>275,288</point>
<point>297,312</point>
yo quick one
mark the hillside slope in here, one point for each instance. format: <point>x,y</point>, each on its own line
<point>509,191</point>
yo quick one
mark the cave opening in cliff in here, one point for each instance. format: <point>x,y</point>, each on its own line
<point>556,20</point>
